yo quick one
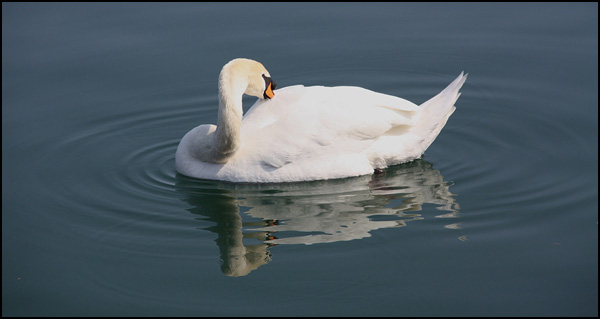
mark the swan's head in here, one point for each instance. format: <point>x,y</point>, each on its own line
<point>254,75</point>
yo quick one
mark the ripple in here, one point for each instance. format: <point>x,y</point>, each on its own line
<point>113,177</point>
<point>118,172</point>
<point>489,144</point>
<point>150,169</point>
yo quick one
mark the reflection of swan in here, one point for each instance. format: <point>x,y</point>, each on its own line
<point>352,208</point>
<point>313,212</point>
<point>238,259</point>
<point>308,133</point>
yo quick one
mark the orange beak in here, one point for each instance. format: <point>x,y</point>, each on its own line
<point>269,91</point>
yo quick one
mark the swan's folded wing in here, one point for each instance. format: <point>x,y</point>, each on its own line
<point>324,123</point>
<point>365,114</point>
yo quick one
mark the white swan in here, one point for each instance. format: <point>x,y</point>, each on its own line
<point>302,133</point>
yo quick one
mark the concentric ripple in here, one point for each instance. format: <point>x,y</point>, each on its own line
<point>118,171</point>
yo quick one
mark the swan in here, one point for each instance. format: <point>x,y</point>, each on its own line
<point>300,133</point>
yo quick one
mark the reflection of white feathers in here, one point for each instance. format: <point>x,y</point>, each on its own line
<point>314,212</point>
<point>350,209</point>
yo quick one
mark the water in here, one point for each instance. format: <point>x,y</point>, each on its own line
<point>500,217</point>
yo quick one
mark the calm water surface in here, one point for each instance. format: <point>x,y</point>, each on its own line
<point>500,216</point>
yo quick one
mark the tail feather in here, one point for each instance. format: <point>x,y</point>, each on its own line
<point>435,112</point>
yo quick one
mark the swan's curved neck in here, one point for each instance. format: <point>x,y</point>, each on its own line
<point>227,136</point>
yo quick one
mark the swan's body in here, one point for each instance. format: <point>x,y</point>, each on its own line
<point>308,133</point>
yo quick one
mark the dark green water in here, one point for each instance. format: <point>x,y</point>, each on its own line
<point>499,218</point>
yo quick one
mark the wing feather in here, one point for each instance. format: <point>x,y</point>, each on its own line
<point>304,123</point>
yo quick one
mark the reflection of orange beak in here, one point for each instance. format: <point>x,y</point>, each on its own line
<point>269,91</point>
